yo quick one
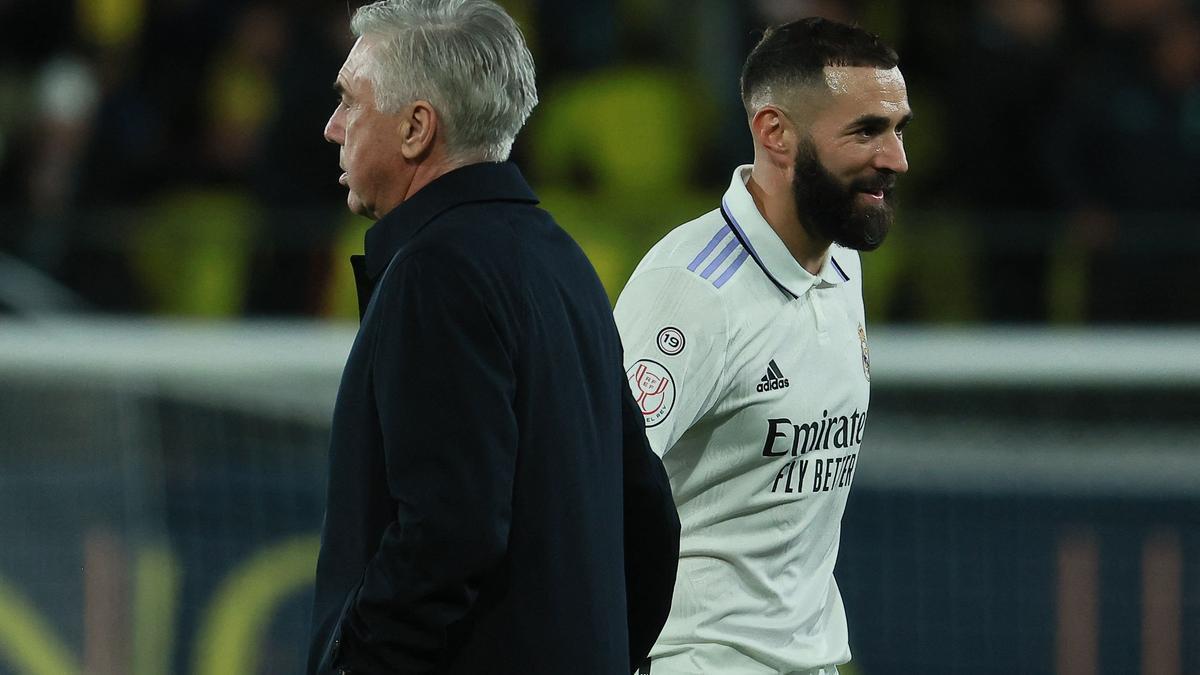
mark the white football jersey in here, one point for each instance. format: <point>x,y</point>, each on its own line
<point>754,378</point>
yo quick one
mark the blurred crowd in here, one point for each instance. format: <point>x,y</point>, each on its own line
<point>165,156</point>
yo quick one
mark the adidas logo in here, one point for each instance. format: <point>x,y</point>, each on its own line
<point>773,380</point>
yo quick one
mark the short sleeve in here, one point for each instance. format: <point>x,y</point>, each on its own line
<point>673,329</point>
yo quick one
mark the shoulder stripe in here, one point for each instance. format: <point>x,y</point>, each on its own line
<point>712,266</point>
<point>733,267</point>
<point>712,244</point>
<point>705,265</point>
<point>745,241</point>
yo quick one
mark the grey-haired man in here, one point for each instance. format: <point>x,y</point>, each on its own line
<point>493,505</point>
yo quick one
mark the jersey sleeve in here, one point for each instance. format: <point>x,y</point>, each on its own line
<point>673,330</point>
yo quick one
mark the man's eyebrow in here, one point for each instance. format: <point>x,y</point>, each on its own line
<point>870,121</point>
<point>338,88</point>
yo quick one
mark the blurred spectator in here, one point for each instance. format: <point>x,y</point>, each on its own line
<point>29,36</point>
<point>240,94</point>
<point>573,37</point>
<point>1009,68</point>
<point>1124,151</point>
<point>126,123</point>
<point>194,250</point>
<point>67,95</point>
<point>296,170</point>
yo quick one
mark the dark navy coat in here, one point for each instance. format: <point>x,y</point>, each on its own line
<point>493,505</point>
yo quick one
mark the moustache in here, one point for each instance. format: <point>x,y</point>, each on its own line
<point>882,182</point>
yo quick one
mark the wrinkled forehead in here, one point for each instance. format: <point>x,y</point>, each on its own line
<point>359,59</point>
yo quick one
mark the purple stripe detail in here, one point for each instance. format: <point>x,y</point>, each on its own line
<point>733,267</point>
<point>845,277</point>
<point>745,241</point>
<point>712,266</point>
<point>712,244</point>
<point>738,226</point>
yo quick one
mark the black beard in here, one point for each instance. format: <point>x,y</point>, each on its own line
<point>828,209</point>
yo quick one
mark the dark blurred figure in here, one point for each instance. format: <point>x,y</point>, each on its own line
<point>29,37</point>
<point>571,38</point>
<point>72,89</point>
<point>178,52</point>
<point>241,94</point>
<point>67,95</point>
<point>291,177</point>
<point>110,131</point>
<point>1124,153</point>
<point>1010,66</point>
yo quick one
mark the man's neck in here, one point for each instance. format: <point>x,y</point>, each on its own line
<point>432,169</point>
<point>773,198</point>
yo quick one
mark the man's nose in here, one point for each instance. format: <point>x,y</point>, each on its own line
<point>333,129</point>
<point>890,156</point>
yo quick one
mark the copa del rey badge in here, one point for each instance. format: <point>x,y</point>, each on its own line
<point>866,353</point>
<point>653,389</point>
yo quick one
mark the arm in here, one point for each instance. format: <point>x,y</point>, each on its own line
<point>673,381</point>
<point>444,387</point>
<point>651,535</point>
<point>673,386</point>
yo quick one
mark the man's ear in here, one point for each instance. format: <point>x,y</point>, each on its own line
<point>419,130</point>
<point>775,134</point>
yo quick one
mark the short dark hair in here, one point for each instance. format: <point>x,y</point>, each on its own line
<point>797,53</point>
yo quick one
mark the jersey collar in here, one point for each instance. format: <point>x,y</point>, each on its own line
<point>765,246</point>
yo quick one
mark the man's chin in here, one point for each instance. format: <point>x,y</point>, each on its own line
<point>866,245</point>
<point>357,207</point>
<point>866,230</point>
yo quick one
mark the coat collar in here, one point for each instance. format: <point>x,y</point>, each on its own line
<point>484,182</point>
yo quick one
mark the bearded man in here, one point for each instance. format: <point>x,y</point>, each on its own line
<point>746,350</point>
